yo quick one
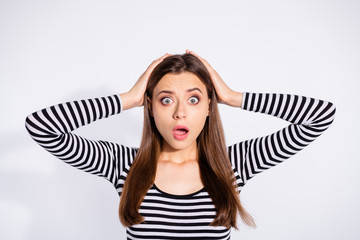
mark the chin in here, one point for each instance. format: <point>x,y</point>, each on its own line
<point>179,145</point>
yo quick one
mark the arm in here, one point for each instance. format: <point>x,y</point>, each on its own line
<point>308,118</point>
<point>52,129</point>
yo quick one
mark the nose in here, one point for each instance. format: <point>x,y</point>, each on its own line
<point>180,111</point>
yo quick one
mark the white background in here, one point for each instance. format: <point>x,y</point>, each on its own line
<point>56,51</point>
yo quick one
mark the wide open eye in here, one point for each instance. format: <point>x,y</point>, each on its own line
<point>194,100</point>
<point>166,100</point>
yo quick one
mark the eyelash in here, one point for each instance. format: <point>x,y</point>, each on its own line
<point>198,100</point>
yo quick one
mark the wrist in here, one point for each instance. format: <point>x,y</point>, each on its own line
<point>235,99</point>
<point>128,101</point>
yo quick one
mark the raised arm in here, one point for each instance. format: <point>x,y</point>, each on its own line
<point>309,118</point>
<point>52,129</point>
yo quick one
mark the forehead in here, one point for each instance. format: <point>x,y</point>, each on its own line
<point>178,82</point>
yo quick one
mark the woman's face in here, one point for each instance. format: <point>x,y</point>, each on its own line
<point>180,105</point>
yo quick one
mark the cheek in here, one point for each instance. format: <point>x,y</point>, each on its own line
<point>160,119</point>
<point>202,111</point>
<point>200,121</point>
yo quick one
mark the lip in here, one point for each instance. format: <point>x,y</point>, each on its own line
<point>177,136</point>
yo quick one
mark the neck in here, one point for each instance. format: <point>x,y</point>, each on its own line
<point>179,155</point>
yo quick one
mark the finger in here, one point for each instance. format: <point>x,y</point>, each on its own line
<point>201,59</point>
<point>157,61</point>
<point>161,58</point>
<point>165,56</point>
<point>193,53</point>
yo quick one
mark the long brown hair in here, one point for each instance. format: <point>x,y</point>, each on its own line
<point>215,168</point>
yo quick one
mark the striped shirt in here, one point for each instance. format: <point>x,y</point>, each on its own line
<point>170,216</point>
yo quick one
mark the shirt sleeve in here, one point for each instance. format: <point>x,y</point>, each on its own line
<point>308,118</point>
<point>52,129</point>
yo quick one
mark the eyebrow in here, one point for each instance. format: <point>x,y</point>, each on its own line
<point>171,92</point>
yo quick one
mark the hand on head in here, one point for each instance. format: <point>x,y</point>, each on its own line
<point>223,92</point>
<point>135,97</point>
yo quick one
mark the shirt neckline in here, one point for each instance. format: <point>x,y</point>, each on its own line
<point>178,195</point>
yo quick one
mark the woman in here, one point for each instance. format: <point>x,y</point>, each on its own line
<point>182,182</point>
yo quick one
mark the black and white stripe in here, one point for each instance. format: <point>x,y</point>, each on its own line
<point>309,117</point>
<point>52,128</point>
<point>172,216</point>
<point>168,216</point>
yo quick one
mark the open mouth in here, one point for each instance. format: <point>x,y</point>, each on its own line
<point>180,132</point>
